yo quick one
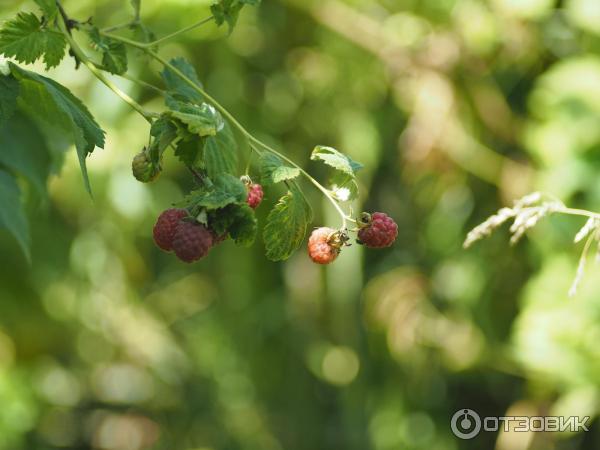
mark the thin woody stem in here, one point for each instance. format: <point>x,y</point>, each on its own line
<point>238,125</point>
<point>147,45</point>
<point>83,58</point>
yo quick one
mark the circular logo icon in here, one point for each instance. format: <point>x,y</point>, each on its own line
<point>465,424</point>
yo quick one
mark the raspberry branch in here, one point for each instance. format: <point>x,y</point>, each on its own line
<point>223,206</point>
<point>250,137</point>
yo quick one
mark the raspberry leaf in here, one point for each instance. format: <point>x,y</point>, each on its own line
<point>287,224</point>
<point>26,39</point>
<point>220,153</point>
<point>9,92</point>
<point>12,217</point>
<point>273,170</point>
<point>190,152</point>
<point>228,11</point>
<point>24,151</point>
<point>238,220</point>
<point>335,159</point>
<point>244,227</point>
<point>54,104</point>
<point>164,132</point>
<point>48,8</point>
<point>343,186</point>
<point>203,120</point>
<point>343,181</point>
<point>225,190</point>
<point>114,53</point>
<point>178,89</point>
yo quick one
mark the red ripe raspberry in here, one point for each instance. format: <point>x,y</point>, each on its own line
<point>255,195</point>
<point>165,227</point>
<point>322,247</point>
<point>191,241</point>
<point>378,231</point>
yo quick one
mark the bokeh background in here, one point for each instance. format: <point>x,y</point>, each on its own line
<point>455,107</point>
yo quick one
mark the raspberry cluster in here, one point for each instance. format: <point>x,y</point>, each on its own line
<point>376,230</point>
<point>179,231</point>
<point>175,230</point>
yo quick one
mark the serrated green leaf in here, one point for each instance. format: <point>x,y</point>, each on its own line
<point>274,170</point>
<point>190,152</point>
<point>238,220</point>
<point>343,182</point>
<point>177,88</point>
<point>164,132</point>
<point>12,217</point>
<point>24,151</point>
<point>26,39</point>
<point>244,227</point>
<point>227,11</point>
<point>335,159</point>
<point>114,53</point>
<point>9,92</point>
<point>226,190</point>
<point>48,8</point>
<point>220,153</point>
<point>53,103</point>
<point>203,120</point>
<point>286,225</point>
<point>343,186</point>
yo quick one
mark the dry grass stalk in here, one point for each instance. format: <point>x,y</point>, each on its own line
<point>527,212</point>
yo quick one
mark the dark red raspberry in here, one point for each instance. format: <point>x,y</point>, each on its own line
<point>323,247</point>
<point>192,241</point>
<point>378,230</point>
<point>165,227</point>
<point>255,195</point>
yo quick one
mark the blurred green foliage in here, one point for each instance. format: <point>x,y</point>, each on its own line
<point>455,107</point>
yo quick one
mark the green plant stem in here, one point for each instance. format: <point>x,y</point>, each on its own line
<point>142,83</point>
<point>252,150</point>
<point>148,45</point>
<point>121,26</point>
<point>79,53</point>
<point>319,186</point>
<point>177,33</point>
<point>249,136</point>
<point>251,139</point>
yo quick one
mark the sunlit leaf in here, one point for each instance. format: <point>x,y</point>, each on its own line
<point>26,39</point>
<point>274,170</point>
